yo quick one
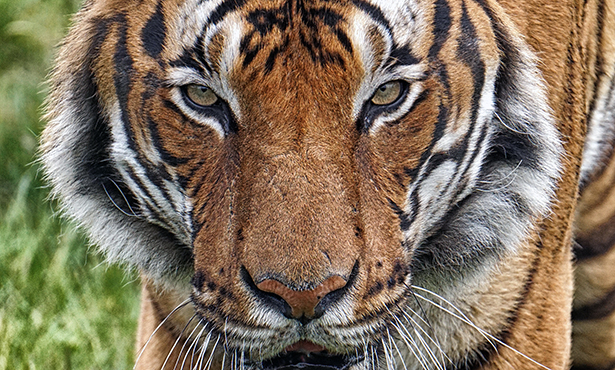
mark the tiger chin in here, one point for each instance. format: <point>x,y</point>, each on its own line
<point>347,185</point>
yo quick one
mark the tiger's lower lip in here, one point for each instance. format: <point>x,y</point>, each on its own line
<point>310,361</point>
<point>305,347</point>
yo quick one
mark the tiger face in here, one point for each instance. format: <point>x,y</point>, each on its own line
<point>309,173</point>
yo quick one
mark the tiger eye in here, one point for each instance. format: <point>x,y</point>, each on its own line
<point>201,95</point>
<point>387,93</point>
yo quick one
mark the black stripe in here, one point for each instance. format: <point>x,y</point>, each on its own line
<point>515,148</point>
<point>198,54</point>
<point>158,144</point>
<point>154,33</point>
<point>122,79</point>
<point>343,39</point>
<point>222,10</point>
<point>441,26</point>
<point>610,366</point>
<point>470,54</point>
<point>330,18</point>
<point>124,71</point>
<point>96,172</point>
<point>596,311</point>
<point>425,156</point>
<point>402,55</point>
<point>597,243</point>
<point>375,13</point>
<point>607,147</point>
<point>189,59</point>
<point>216,16</point>
<point>154,207</point>
<point>404,222</point>
<point>599,72</point>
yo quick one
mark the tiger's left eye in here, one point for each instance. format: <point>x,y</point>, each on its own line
<point>200,95</point>
<point>387,93</point>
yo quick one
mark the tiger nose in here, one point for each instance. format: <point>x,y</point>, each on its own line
<point>302,302</point>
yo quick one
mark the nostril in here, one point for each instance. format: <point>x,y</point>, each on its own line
<point>335,295</point>
<point>302,305</point>
<point>273,300</point>
<point>302,302</point>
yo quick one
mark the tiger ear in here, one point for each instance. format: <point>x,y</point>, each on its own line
<point>76,155</point>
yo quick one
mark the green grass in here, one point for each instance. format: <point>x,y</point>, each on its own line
<point>61,307</point>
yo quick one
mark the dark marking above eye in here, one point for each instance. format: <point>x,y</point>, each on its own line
<point>402,55</point>
<point>154,33</point>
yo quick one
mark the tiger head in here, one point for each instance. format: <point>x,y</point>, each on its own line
<point>300,169</point>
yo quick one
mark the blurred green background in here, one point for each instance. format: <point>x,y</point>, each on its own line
<point>61,307</point>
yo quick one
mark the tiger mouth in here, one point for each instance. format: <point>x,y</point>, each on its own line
<point>311,361</point>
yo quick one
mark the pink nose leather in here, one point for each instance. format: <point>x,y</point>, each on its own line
<point>302,302</point>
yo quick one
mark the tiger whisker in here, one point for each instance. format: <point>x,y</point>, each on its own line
<point>414,324</point>
<point>471,324</point>
<point>365,354</point>
<point>463,317</point>
<point>372,357</point>
<point>401,328</point>
<point>195,348</point>
<point>203,349</point>
<point>188,340</point>
<point>504,186</point>
<point>412,346</point>
<point>211,356</point>
<point>179,306</point>
<point>430,352</point>
<point>179,337</point>
<point>433,340</point>
<point>508,126</point>
<point>192,348</point>
<point>243,359</point>
<point>387,356</point>
<point>422,317</point>
<point>116,205</point>
<point>401,357</point>
<point>223,357</point>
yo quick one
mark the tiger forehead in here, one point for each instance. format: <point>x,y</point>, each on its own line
<point>326,30</point>
<point>315,28</point>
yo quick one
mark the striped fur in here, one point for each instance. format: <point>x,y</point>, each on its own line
<point>449,212</point>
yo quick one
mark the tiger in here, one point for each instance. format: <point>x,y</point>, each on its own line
<point>347,184</point>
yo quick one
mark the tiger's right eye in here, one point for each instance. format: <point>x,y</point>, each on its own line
<point>200,95</point>
<point>387,93</point>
